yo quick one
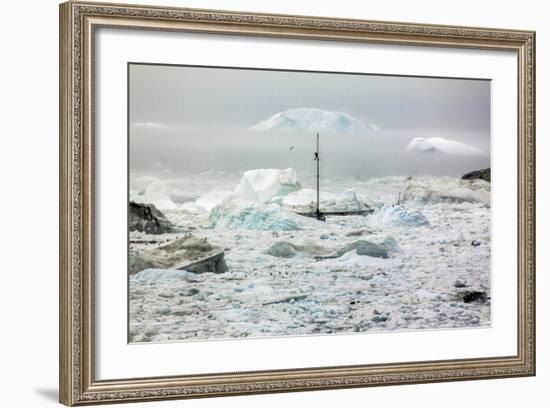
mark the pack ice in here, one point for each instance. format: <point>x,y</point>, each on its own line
<point>292,275</point>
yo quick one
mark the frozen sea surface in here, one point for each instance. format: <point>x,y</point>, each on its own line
<point>431,261</point>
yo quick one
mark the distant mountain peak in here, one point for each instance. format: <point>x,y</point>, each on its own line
<point>313,119</point>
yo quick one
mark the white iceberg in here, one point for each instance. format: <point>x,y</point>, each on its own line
<point>235,213</point>
<point>400,216</point>
<point>304,200</point>
<point>439,144</point>
<point>212,199</point>
<point>445,190</point>
<point>267,185</point>
<point>312,120</point>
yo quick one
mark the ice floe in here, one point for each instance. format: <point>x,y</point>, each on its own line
<point>303,292</point>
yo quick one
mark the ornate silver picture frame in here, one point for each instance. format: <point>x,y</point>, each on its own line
<point>79,25</point>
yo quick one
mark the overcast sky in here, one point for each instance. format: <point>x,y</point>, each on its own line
<point>190,119</point>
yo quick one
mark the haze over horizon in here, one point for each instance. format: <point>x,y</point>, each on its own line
<point>186,120</point>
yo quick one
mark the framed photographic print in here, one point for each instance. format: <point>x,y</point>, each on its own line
<point>256,203</point>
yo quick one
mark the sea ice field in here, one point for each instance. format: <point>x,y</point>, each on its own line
<point>421,259</point>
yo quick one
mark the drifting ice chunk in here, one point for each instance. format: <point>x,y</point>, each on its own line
<point>282,249</point>
<point>363,247</point>
<point>390,245</point>
<point>237,213</point>
<point>304,200</point>
<point>212,199</point>
<point>267,185</point>
<point>397,215</point>
<point>187,253</point>
<point>446,190</point>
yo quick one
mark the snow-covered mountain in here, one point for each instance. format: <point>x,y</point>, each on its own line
<point>313,119</point>
<point>439,144</point>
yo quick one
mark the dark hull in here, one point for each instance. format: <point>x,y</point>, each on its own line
<point>313,214</point>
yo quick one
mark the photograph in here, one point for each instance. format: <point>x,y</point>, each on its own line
<point>270,203</point>
<point>275,200</point>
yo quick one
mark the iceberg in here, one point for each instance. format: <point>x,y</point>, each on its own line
<point>267,185</point>
<point>282,249</point>
<point>212,199</point>
<point>312,120</point>
<point>400,216</point>
<point>445,190</point>
<point>235,213</point>
<point>188,253</point>
<point>439,144</point>
<point>361,248</point>
<point>304,200</point>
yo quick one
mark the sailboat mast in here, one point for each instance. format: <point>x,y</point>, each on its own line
<point>317,158</point>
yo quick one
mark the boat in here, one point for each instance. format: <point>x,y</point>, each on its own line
<point>322,215</point>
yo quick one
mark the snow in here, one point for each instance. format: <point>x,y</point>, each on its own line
<point>439,144</point>
<point>267,185</point>
<point>312,120</point>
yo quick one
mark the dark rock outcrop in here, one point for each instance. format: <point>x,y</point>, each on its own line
<point>147,218</point>
<point>471,296</point>
<point>187,253</point>
<point>484,174</point>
